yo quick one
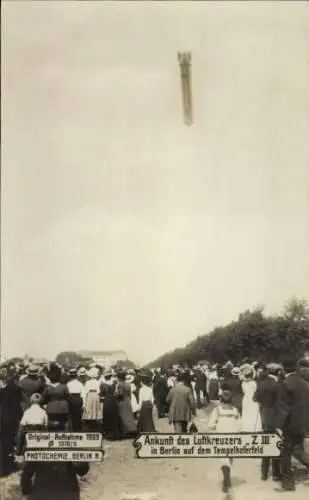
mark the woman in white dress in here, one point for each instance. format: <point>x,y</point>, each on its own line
<point>92,413</point>
<point>250,420</point>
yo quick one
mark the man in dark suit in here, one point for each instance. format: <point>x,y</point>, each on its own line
<point>266,395</point>
<point>232,383</point>
<point>291,420</point>
<point>181,405</point>
<point>160,392</point>
<point>10,414</point>
<point>304,373</point>
<point>200,385</point>
<point>32,383</point>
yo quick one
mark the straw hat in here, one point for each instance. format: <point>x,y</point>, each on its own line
<point>246,369</point>
<point>235,371</point>
<point>129,378</point>
<point>93,372</point>
<point>273,368</point>
<point>82,372</point>
<point>33,370</point>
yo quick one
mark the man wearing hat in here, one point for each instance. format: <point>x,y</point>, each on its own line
<point>232,383</point>
<point>304,373</point>
<point>160,392</point>
<point>30,384</point>
<point>200,385</point>
<point>82,375</point>
<point>291,420</point>
<point>182,405</point>
<point>10,413</point>
<point>266,395</point>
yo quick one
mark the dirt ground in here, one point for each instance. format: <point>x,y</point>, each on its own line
<point>124,477</point>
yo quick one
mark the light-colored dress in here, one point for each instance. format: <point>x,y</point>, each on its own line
<point>250,420</point>
<point>171,382</point>
<point>134,403</point>
<point>225,418</point>
<point>91,400</point>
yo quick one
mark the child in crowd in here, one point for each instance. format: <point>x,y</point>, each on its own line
<point>34,418</point>
<point>225,418</point>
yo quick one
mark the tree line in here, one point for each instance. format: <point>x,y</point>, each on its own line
<point>254,336</point>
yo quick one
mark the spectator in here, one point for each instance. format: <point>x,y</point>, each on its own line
<point>291,420</point>
<point>30,384</point>
<point>266,396</point>
<point>182,405</point>
<point>10,413</point>
<point>55,397</point>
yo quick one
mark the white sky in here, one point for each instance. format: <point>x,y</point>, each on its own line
<point>121,227</point>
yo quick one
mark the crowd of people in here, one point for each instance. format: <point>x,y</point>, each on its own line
<point>253,397</point>
<point>81,398</point>
<point>120,403</point>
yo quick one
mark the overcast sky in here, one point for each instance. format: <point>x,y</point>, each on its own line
<point>121,227</point>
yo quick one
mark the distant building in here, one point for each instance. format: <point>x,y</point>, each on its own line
<point>105,357</point>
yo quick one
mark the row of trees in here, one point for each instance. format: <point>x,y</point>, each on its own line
<point>254,336</point>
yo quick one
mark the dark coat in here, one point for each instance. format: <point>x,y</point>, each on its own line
<point>233,384</point>
<point>56,399</point>
<point>10,409</point>
<point>28,386</point>
<point>304,373</point>
<point>160,389</point>
<point>65,378</point>
<point>266,395</point>
<point>200,381</point>
<point>182,404</point>
<point>112,425</point>
<point>292,405</point>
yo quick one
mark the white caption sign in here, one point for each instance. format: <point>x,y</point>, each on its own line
<point>63,440</point>
<point>207,445</point>
<point>63,456</point>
